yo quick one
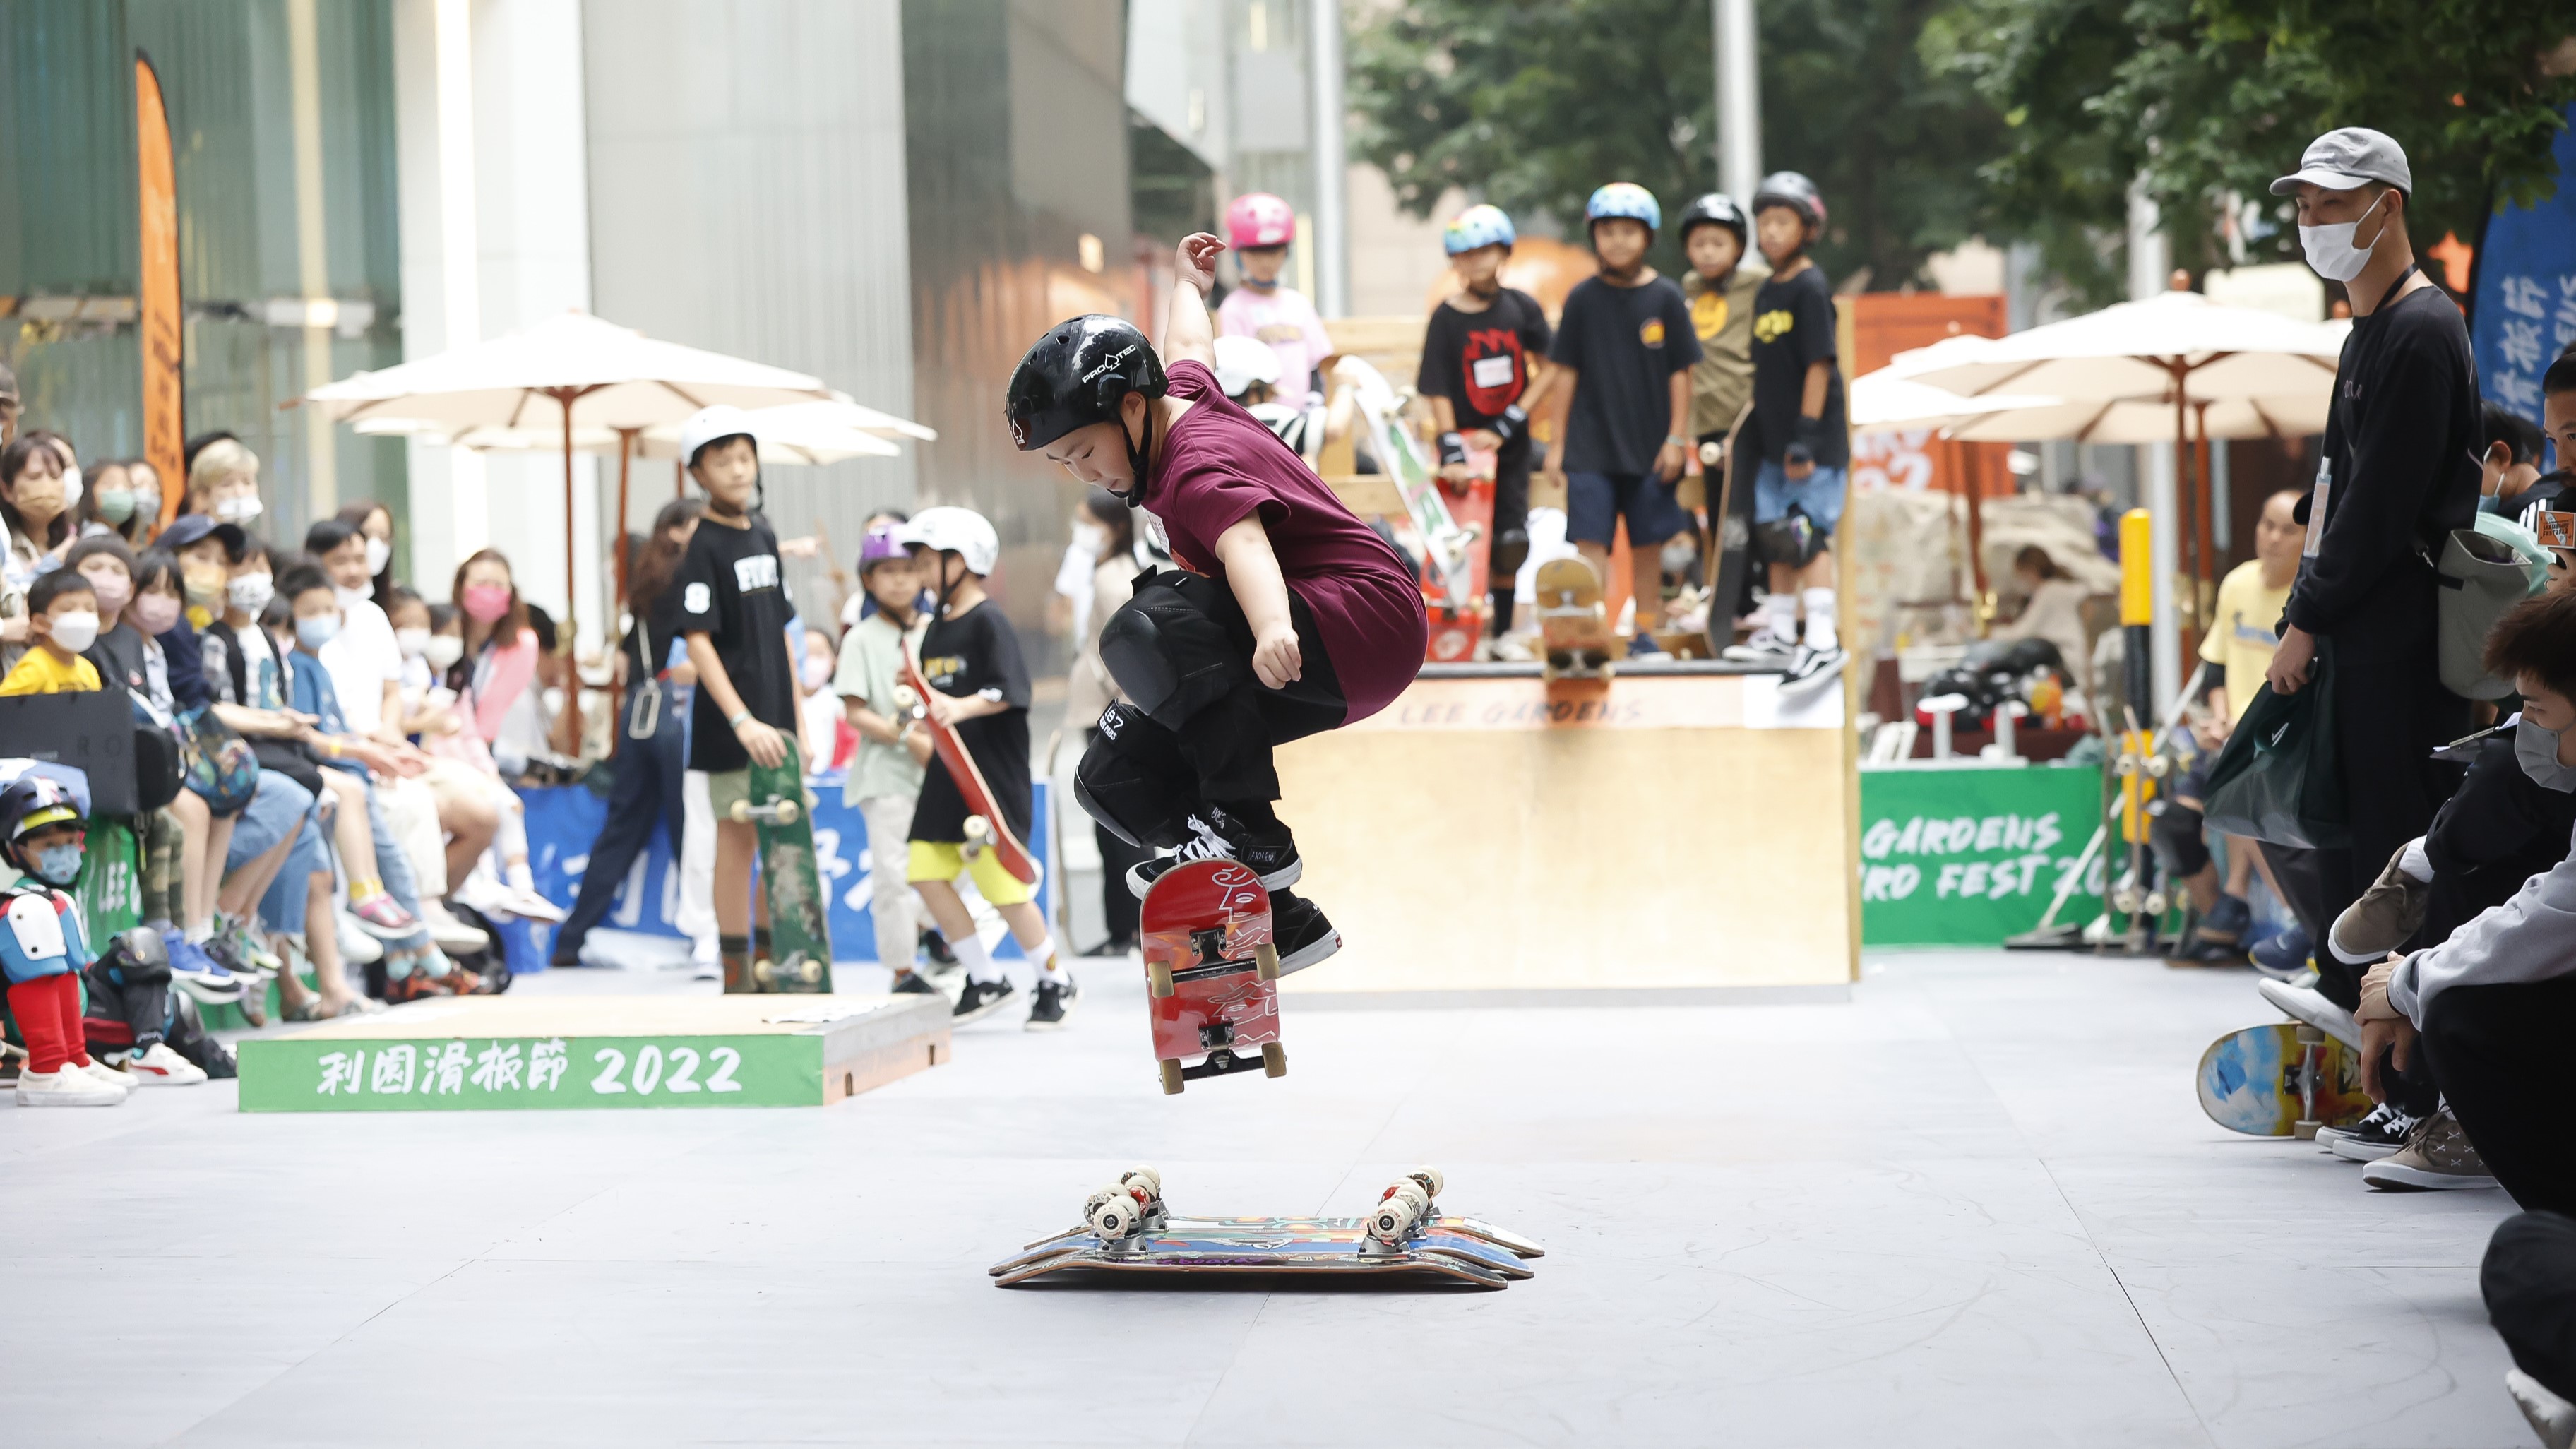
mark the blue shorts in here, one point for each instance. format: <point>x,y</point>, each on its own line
<point>283,907</point>
<point>1820,497</point>
<point>1594,503</point>
<point>273,814</point>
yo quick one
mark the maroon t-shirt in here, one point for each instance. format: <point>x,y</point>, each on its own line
<point>1219,466</point>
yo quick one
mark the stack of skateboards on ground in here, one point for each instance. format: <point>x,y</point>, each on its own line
<point>1127,1227</point>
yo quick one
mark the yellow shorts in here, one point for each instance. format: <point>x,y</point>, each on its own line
<point>946,860</point>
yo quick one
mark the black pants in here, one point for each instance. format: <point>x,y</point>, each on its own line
<point>2529,1279</point>
<point>1119,908</point>
<point>1507,542</point>
<point>1202,727</point>
<point>644,797</point>
<point>2498,1053</point>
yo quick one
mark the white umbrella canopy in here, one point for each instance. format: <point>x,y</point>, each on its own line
<point>1884,402</point>
<point>789,443</point>
<point>2147,420</point>
<point>2139,349</point>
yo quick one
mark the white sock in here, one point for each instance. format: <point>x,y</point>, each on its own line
<point>1781,609</point>
<point>199,935</point>
<point>977,961</point>
<point>1820,619</point>
<point>1043,953</point>
<point>521,878</point>
<point>2415,862</point>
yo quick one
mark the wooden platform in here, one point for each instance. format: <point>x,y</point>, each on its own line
<point>1492,832</point>
<point>501,1053</point>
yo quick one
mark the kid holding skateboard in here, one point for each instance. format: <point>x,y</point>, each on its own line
<point>1626,345</point>
<point>1720,286</point>
<point>1476,356</point>
<point>1260,227</point>
<point>734,610</point>
<point>1287,617</point>
<point>1798,432</point>
<point>979,688</point>
<point>884,782</point>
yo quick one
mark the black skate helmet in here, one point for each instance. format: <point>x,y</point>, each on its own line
<point>1075,376</point>
<point>1716,208</point>
<point>1794,191</point>
<point>28,805</point>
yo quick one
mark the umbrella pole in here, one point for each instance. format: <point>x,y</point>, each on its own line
<point>567,728</point>
<point>2207,482</point>
<point>1981,611</point>
<point>625,454</point>
<point>2188,526</point>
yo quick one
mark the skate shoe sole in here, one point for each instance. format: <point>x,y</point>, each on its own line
<point>2299,1007</point>
<point>983,1011</point>
<point>2353,1149</point>
<point>208,993</point>
<point>1036,1024</point>
<point>1285,876</point>
<point>2398,1177</point>
<point>1319,949</point>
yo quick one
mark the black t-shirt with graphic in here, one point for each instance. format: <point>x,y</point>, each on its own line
<point>977,653</point>
<point>1793,329</point>
<point>1625,344</point>
<point>730,590</point>
<point>1480,360</point>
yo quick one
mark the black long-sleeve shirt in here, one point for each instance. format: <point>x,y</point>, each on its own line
<point>2402,446</point>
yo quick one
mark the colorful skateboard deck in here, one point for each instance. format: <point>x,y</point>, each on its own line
<point>1730,526</point>
<point>1573,629</point>
<point>2281,1080</point>
<point>1211,973</point>
<point>1129,1228</point>
<point>986,826</point>
<point>800,937</point>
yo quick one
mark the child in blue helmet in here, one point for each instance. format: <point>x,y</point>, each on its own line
<point>1626,345</point>
<point>1479,354</point>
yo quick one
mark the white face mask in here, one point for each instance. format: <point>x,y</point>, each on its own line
<point>77,631</point>
<point>2331,251</point>
<point>239,510</point>
<point>413,642</point>
<point>251,592</point>
<point>379,553</point>
<point>443,650</point>
<point>352,596</point>
<point>2534,748</point>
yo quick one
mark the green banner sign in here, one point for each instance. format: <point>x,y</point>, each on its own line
<point>451,1074</point>
<point>1969,856</point>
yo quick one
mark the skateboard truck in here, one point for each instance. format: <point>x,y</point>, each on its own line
<point>782,812</point>
<point>2303,1078</point>
<point>1208,945</point>
<point>1222,1062</point>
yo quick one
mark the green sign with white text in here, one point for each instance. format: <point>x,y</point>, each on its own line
<point>487,1074</point>
<point>1969,856</point>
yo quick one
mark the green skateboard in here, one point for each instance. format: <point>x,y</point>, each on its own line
<point>799,947</point>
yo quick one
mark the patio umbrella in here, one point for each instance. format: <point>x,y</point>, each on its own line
<point>572,369</point>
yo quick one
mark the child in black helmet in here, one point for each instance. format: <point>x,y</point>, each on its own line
<point>1720,286</point>
<point>1289,616</point>
<point>43,948</point>
<point>1798,432</point>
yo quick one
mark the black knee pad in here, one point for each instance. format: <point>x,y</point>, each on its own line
<point>1173,648</point>
<point>1118,787</point>
<point>1792,541</point>
<point>1511,550</point>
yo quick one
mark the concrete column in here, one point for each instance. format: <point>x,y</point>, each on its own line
<point>1332,163</point>
<point>1739,97</point>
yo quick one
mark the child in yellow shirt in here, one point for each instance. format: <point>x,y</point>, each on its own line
<point>62,620</point>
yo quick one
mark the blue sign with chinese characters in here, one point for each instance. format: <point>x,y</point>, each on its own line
<point>2526,296</point>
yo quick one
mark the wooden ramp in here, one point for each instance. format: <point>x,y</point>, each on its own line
<point>504,1053</point>
<point>1679,827</point>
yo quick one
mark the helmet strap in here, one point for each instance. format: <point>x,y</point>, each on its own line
<point>1140,455</point>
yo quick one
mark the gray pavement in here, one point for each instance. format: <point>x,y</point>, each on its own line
<point>1974,1206</point>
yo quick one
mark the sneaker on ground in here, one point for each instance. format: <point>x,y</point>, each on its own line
<point>981,999</point>
<point>2306,1003</point>
<point>1055,995</point>
<point>2377,1116</point>
<point>706,971</point>
<point>1299,930</point>
<point>2375,1136</point>
<point>1811,669</point>
<point>1764,647</point>
<point>110,1075</point>
<point>1644,647</point>
<point>1270,851</point>
<point>2436,1158</point>
<point>198,974</point>
<point>2384,917</point>
<point>70,1087</point>
<point>910,983</point>
<point>2550,1417</point>
<point>452,934</point>
<point>2283,957</point>
<point>379,915</point>
<point>158,1066</point>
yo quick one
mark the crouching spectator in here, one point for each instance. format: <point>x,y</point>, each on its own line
<point>43,949</point>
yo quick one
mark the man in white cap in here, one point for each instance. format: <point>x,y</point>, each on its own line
<point>2399,472</point>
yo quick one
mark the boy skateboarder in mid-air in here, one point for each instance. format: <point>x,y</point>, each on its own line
<point>1288,617</point>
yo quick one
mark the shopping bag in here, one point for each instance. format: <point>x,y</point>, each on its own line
<point>2278,779</point>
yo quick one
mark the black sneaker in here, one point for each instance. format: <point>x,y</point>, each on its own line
<point>936,946</point>
<point>1811,669</point>
<point>1056,994</point>
<point>2381,1134</point>
<point>909,983</point>
<point>981,999</point>
<point>1269,850</point>
<point>1300,932</point>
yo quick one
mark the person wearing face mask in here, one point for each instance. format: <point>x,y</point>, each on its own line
<point>223,482</point>
<point>2399,472</point>
<point>107,500</point>
<point>2489,1009</point>
<point>62,621</point>
<point>365,660</point>
<point>44,948</point>
<point>109,566</point>
<point>145,480</point>
<point>36,509</point>
<point>375,522</point>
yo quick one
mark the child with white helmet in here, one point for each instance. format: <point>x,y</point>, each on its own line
<point>1259,226</point>
<point>734,609</point>
<point>979,688</point>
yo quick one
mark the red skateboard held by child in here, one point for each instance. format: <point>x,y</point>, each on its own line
<point>1212,972</point>
<point>980,807</point>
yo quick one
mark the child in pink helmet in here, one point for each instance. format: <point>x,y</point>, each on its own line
<point>1259,227</point>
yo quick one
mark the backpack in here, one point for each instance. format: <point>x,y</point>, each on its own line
<point>2484,570</point>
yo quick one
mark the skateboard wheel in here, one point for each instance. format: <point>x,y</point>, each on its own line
<point>1711,454</point>
<point>905,699</point>
<point>1145,1177</point>
<point>2125,900</point>
<point>763,972</point>
<point>2125,766</point>
<point>1113,1215</point>
<point>2155,903</point>
<point>1274,1059</point>
<point>741,812</point>
<point>1171,1076</point>
<point>1158,978</point>
<point>1265,961</point>
<point>1431,1179</point>
<point>1392,1219</point>
<point>2158,766</point>
<point>809,972</point>
<point>978,830</point>
<point>786,811</point>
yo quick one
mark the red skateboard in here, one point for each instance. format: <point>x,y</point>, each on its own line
<point>1212,972</point>
<point>986,825</point>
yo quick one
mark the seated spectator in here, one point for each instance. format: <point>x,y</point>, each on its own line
<point>34,505</point>
<point>109,566</point>
<point>2053,611</point>
<point>62,621</point>
<point>2511,463</point>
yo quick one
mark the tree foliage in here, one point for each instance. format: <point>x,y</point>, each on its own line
<point>2208,100</point>
<point>1530,104</point>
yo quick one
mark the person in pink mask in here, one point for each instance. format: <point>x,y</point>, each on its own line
<point>1259,227</point>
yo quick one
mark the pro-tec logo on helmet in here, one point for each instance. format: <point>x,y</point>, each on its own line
<point>1110,363</point>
